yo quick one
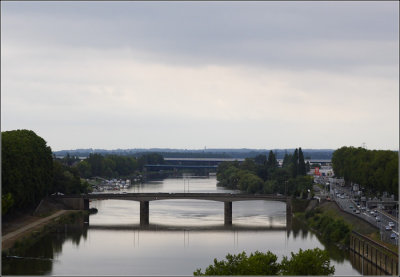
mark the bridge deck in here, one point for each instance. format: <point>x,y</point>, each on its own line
<point>224,197</point>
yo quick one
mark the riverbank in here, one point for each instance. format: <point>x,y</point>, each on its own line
<point>23,226</point>
<point>356,224</point>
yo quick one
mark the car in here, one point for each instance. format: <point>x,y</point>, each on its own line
<point>388,228</point>
<point>391,224</point>
<point>357,211</point>
<point>378,219</point>
<point>393,236</point>
<point>372,212</point>
<point>350,207</point>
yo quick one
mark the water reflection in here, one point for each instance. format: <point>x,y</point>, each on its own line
<point>45,257</point>
<point>172,228</point>
<point>182,236</point>
<point>364,266</point>
<point>39,259</point>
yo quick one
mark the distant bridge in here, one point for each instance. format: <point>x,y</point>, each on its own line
<point>190,163</point>
<point>178,166</point>
<point>81,201</point>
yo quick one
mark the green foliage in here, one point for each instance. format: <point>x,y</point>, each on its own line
<point>249,182</point>
<point>256,264</point>
<point>67,179</point>
<point>308,262</point>
<point>27,169</point>
<point>7,201</point>
<point>331,229</point>
<point>287,160</point>
<point>302,165</point>
<point>110,166</point>
<point>376,170</point>
<point>295,163</point>
<point>272,162</point>
<point>263,175</point>
<point>150,158</point>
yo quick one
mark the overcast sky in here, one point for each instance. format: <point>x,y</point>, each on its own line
<point>202,74</point>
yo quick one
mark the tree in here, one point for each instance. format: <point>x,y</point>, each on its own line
<point>376,170</point>
<point>260,159</point>
<point>256,264</point>
<point>248,164</point>
<point>295,163</point>
<point>287,160</point>
<point>67,179</point>
<point>7,202</point>
<point>272,162</point>
<point>27,169</point>
<point>302,165</point>
<point>308,262</point>
<point>84,169</point>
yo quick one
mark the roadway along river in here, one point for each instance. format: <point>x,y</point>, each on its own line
<point>184,235</point>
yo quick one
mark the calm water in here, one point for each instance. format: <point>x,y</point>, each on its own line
<point>183,235</point>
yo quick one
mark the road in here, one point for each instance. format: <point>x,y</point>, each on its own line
<point>349,205</point>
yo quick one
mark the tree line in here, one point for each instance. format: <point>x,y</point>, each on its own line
<point>262,174</point>
<point>30,171</point>
<point>115,166</point>
<point>375,170</point>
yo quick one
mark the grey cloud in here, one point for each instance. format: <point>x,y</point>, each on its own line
<point>285,34</point>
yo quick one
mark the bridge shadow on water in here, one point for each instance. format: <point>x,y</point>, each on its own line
<point>172,228</point>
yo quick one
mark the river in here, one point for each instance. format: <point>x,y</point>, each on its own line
<point>183,235</point>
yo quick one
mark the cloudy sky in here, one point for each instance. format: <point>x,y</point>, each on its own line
<point>202,74</point>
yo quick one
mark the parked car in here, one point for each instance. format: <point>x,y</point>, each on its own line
<point>378,219</point>
<point>357,211</point>
<point>393,236</point>
<point>388,228</point>
<point>391,224</point>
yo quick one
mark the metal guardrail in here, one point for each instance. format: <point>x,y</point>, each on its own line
<point>375,243</point>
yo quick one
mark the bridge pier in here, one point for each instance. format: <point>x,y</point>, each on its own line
<point>228,213</point>
<point>144,213</point>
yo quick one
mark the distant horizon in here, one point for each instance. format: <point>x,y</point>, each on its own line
<point>211,149</point>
